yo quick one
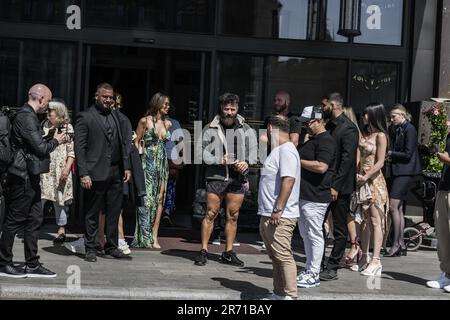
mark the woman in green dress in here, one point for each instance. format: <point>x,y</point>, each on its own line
<point>153,130</point>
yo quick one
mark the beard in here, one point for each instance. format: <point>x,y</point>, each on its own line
<point>281,109</point>
<point>228,121</point>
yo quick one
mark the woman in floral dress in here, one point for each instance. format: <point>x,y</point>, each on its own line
<point>153,129</point>
<point>56,185</point>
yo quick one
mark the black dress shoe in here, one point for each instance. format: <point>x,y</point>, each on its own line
<point>117,254</point>
<point>404,252</point>
<point>328,275</point>
<point>90,256</point>
<point>59,239</point>
<point>397,253</point>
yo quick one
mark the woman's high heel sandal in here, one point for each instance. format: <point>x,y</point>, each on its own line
<point>362,263</point>
<point>349,260</point>
<point>374,272</point>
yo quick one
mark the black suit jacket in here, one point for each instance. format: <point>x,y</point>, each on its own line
<point>92,145</point>
<point>405,155</point>
<point>346,135</point>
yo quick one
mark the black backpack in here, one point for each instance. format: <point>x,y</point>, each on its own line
<point>5,145</point>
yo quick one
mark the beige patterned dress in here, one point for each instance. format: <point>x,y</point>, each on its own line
<point>52,188</point>
<point>377,183</point>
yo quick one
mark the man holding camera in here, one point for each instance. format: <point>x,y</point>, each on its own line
<point>23,192</point>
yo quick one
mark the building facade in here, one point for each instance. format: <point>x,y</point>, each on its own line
<point>197,49</point>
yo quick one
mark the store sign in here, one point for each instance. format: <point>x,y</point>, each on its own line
<point>73,21</point>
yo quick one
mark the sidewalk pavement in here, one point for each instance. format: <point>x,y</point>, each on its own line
<point>171,274</point>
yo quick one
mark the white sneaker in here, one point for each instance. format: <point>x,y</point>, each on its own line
<point>447,288</point>
<point>76,246</point>
<point>309,280</point>
<point>123,246</point>
<point>277,297</point>
<point>440,283</point>
<point>301,275</point>
<point>236,243</point>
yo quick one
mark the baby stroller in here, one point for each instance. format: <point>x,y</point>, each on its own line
<point>420,233</point>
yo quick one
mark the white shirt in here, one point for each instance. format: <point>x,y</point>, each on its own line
<point>283,161</point>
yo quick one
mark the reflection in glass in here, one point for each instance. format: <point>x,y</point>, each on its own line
<point>283,19</point>
<point>9,66</point>
<point>42,11</point>
<point>176,15</point>
<point>371,82</point>
<point>306,79</point>
<point>24,63</point>
<point>52,63</point>
<point>243,75</point>
<point>286,19</point>
<point>257,79</point>
<point>381,22</point>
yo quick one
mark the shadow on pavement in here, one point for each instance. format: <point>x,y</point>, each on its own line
<point>248,290</point>
<point>261,272</point>
<point>189,254</point>
<point>406,278</point>
<point>62,251</point>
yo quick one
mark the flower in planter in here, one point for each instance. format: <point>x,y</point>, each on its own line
<point>437,115</point>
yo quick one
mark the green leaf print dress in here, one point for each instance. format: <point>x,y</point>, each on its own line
<point>155,165</point>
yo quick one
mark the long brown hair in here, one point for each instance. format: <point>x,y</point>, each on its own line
<point>156,103</point>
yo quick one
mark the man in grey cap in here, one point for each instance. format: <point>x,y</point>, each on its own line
<point>317,156</point>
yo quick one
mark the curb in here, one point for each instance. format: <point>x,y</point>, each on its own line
<point>56,293</point>
<point>158,293</point>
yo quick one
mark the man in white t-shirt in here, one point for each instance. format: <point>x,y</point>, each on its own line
<point>278,205</point>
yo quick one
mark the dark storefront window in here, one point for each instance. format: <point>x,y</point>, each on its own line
<point>28,62</point>
<point>381,22</point>
<point>9,65</point>
<point>243,75</point>
<point>37,11</point>
<point>373,82</point>
<point>307,80</point>
<point>172,15</point>
<point>256,80</point>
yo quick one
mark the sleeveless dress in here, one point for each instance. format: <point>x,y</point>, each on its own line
<point>377,183</point>
<point>156,171</point>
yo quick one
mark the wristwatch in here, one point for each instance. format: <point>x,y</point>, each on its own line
<point>277,210</point>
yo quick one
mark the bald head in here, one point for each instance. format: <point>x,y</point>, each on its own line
<point>281,102</point>
<point>39,96</point>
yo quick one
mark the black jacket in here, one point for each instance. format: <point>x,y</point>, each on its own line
<point>405,155</point>
<point>93,147</point>
<point>28,143</point>
<point>346,135</point>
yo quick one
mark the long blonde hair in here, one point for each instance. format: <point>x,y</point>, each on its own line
<point>348,111</point>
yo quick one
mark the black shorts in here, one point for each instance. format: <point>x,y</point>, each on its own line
<point>221,188</point>
<point>400,186</point>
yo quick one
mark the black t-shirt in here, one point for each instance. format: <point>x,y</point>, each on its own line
<point>444,185</point>
<point>316,187</point>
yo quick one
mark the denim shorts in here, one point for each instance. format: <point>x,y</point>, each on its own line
<point>221,188</point>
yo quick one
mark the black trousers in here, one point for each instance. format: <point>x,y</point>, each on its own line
<point>24,212</point>
<point>106,196</point>
<point>339,209</point>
